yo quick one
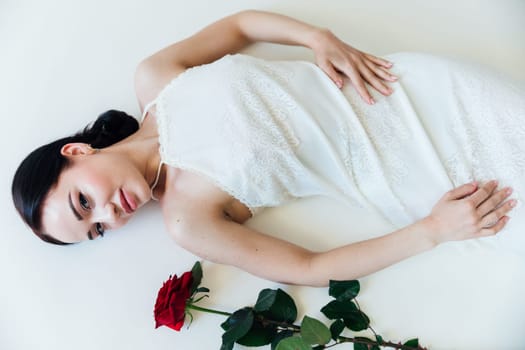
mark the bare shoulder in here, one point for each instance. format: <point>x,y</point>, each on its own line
<point>191,199</point>
<point>152,75</point>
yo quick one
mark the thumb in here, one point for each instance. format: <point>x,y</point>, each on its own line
<point>462,191</point>
<point>333,74</point>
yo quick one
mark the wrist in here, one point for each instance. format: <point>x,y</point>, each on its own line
<point>315,37</point>
<point>428,227</point>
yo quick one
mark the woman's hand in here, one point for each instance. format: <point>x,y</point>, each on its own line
<point>470,211</point>
<point>336,59</point>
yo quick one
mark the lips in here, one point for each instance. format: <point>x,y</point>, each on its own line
<point>127,202</point>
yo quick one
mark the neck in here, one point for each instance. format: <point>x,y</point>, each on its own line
<point>143,151</point>
<point>142,148</point>
<point>151,160</point>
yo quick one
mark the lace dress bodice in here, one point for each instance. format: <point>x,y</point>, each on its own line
<point>253,127</point>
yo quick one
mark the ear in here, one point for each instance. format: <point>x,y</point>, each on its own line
<point>76,148</point>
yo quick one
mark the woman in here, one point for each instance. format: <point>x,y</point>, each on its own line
<point>220,140</point>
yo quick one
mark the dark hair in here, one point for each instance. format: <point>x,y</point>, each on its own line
<point>39,171</point>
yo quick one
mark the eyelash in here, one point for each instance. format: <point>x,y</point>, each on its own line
<point>83,202</point>
<point>85,205</point>
<point>100,229</point>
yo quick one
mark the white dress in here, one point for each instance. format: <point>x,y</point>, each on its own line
<point>268,132</point>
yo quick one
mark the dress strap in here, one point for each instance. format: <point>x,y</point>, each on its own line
<point>156,181</point>
<point>146,109</point>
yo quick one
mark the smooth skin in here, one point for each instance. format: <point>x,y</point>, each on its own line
<point>208,222</point>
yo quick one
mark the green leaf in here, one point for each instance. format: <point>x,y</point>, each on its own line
<point>280,336</point>
<point>276,305</point>
<point>202,290</point>
<point>227,346</point>
<point>337,328</point>
<point>265,300</point>
<point>231,321</point>
<point>360,346</point>
<point>357,321</point>
<point>237,325</point>
<point>344,290</point>
<point>196,274</point>
<point>314,331</point>
<point>379,338</point>
<point>293,343</point>
<point>258,335</point>
<point>353,318</point>
<point>339,309</point>
<point>413,343</point>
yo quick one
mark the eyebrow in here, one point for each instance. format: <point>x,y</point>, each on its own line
<point>77,215</point>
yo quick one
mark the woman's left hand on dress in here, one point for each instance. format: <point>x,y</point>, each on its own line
<point>338,59</point>
<point>470,211</point>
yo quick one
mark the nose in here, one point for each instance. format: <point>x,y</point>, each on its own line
<point>109,215</point>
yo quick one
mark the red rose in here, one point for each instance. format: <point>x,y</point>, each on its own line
<point>170,307</point>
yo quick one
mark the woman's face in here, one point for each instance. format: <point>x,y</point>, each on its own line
<point>96,193</point>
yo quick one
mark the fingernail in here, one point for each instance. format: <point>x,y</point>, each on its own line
<point>371,100</point>
<point>393,77</point>
<point>513,203</point>
<point>509,191</point>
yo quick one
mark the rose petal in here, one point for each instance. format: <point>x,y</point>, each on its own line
<point>170,306</point>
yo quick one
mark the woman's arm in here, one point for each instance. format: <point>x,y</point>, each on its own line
<point>216,239</point>
<point>466,212</point>
<point>235,32</point>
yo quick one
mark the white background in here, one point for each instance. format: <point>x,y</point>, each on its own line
<point>64,62</point>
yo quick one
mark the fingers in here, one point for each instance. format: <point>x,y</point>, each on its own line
<point>370,69</point>
<point>360,68</point>
<point>380,72</point>
<point>333,74</point>
<point>359,75</point>
<point>492,230</point>
<point>493,208</point>
<point>372,79</point>
<point>461,191</point>
<point>494,201</point>
<point>494,217</point>
<point>358,82</point>
<point>483,192</point>
<point>379,61</point>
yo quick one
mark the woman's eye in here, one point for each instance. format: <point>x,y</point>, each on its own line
<point>100,229</point>
<point>83,201</point>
